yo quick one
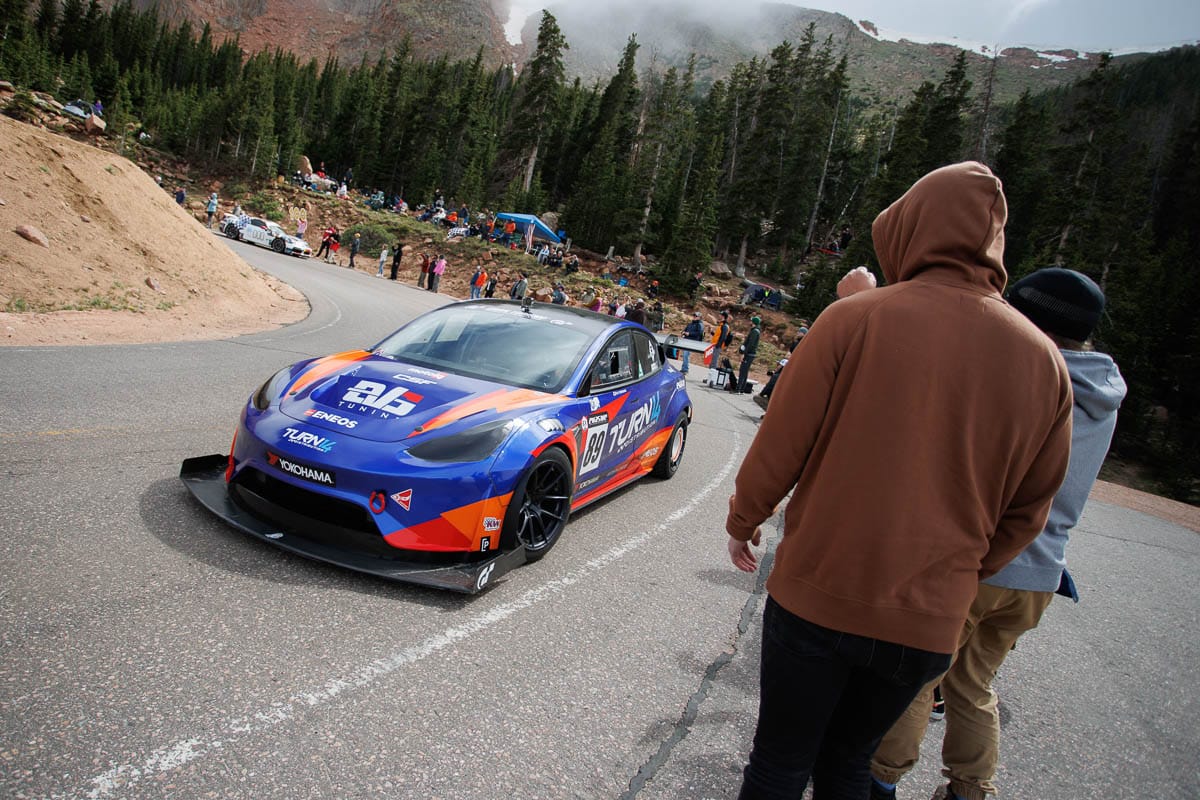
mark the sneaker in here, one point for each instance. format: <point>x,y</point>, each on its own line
<point>880,793</point>
<point>762,401</point>
<point>938,711</point>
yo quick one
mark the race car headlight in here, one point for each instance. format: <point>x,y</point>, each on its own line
<point>270,389</point>
<point>475,444</point>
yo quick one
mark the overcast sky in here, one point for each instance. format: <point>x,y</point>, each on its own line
<point>1117,25</point>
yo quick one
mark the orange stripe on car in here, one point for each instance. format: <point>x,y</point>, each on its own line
<point>326,366</point>
<point>500,401</point>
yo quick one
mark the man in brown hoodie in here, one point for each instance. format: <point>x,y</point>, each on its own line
<point>923,429</point>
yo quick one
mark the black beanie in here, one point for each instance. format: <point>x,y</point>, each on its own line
<point>1059,301</point>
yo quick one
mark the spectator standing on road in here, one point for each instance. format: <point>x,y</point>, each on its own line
<point>301,227</point>
<point>695,332</point>
<point>517,292</point>
<point>355,246</point>
<point>326,242</point>
<point>721,337</point>
<point>1067,306</point>
<point>904,395</point>
<point>382,260</point>
<point>424,276</point>
<point>436,272</point>
<point>211,210</point>
<point>397,254</point>
<point>489,288</point>
<point>749,350</point>
<point>478,279</point>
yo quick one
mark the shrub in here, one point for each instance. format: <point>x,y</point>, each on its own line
<point>265,206</point>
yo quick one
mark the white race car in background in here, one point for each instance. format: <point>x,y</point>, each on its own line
<point>264,233</point>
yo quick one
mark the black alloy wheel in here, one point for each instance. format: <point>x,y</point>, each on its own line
<point>540,505</point>
<point>278,245</point>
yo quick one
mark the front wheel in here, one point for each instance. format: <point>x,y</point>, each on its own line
<point>231,230</point>
<point>672,454</point>
<point>540,504</point>
<point>278,245</point>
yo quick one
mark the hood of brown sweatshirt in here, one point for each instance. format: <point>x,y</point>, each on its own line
<point>951,218</point>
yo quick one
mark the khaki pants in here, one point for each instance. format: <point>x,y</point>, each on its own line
<point>971,748</point>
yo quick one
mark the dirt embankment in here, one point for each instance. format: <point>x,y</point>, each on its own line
<point>120,262</point>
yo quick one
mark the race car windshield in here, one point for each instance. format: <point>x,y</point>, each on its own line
<point>494,343</point>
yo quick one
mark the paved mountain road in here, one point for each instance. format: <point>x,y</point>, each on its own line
<point>148,651</point>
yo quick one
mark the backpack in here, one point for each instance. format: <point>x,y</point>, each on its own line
<point>728,340</point>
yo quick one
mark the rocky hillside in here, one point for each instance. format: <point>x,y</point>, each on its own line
<point>351,29</point>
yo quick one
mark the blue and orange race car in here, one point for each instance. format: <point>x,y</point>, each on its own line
<point>455,449</point>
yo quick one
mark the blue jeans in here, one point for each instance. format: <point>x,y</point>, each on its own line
<point>683,367</point>
<point>826,699</point>
<point>476,292</point>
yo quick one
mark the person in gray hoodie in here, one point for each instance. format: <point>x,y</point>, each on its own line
<point>1066,305</point>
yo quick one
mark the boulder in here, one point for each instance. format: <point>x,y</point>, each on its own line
<point>32,234</point>
<point>543,295</point>
<point>720,269</point>
<point>95,124</point>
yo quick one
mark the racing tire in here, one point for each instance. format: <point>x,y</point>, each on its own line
<point>540,505</point>
<point>672,453</point>
<point>279,245</point>
<point>231,230</point>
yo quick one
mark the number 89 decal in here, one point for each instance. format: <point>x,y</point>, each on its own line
<point>595,428</point>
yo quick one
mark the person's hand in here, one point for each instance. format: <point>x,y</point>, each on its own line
<point>856,280</point>
<point>740,553</point>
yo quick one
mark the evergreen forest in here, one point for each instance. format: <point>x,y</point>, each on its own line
<point>1102,176</point>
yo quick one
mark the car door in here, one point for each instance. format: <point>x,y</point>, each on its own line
<point>256,231</point>
<point>625,404</point>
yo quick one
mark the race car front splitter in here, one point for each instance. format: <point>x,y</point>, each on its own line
<point>204,477</point>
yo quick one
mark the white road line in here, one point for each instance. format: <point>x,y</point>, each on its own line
<point>184,751</point>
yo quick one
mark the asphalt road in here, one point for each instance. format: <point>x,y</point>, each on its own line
<point>147,651</point>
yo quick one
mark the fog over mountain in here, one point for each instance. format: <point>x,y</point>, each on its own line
<point>880,66</point>
<point>1089,25</point>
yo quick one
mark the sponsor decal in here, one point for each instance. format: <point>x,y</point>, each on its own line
<point>414,379</point>
<point>585,484</point>
<point>345,422</point>
<point>485,544</point>
<point>379,399</point>
<point>491,524</point>
<point>312,441</point>
<point>597,419</point>
<point>594,403</point>
<point>322,476</point>
<point>517,312</point>
<point>651,453</point>
<point>626,429</point>
<point>403,499</point>
<point>428,373</point>
<point>484,575</point>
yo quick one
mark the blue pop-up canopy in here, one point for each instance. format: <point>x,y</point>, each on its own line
<point>540,229</point>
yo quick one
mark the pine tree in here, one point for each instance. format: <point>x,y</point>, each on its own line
<point>538,96</point>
